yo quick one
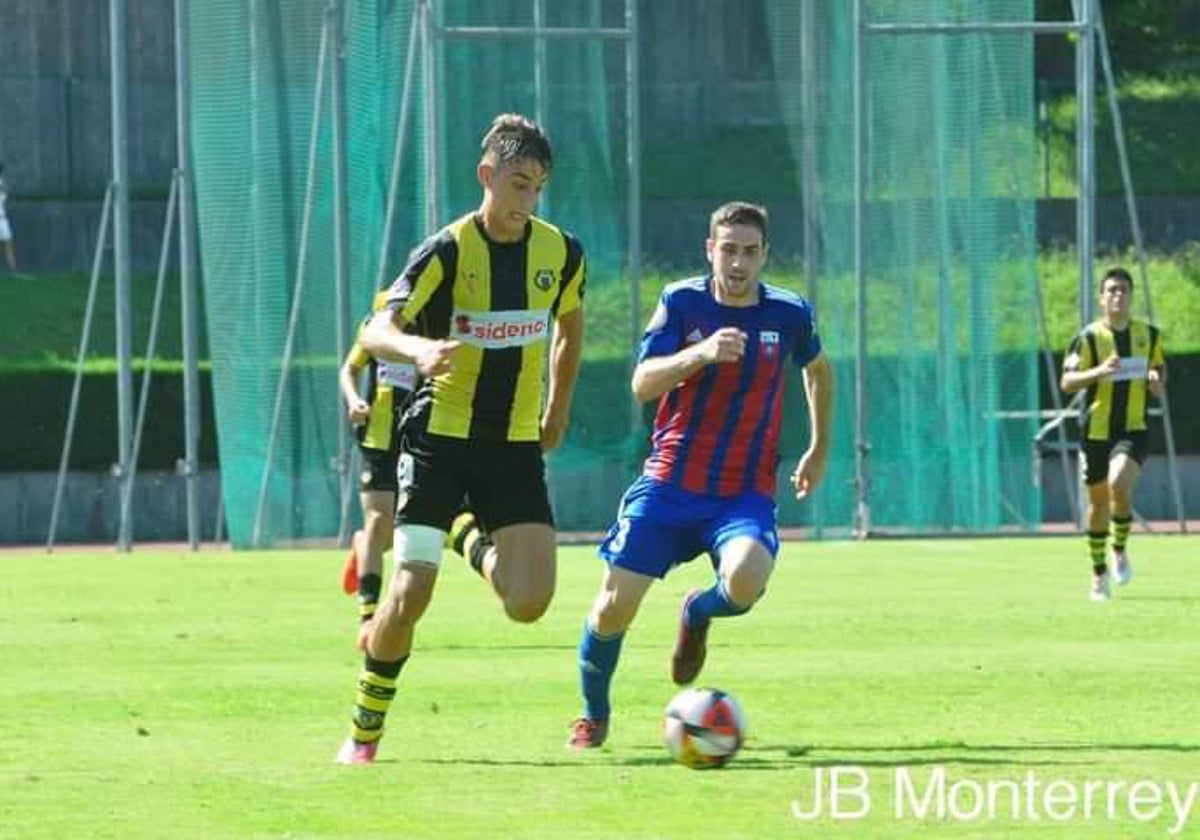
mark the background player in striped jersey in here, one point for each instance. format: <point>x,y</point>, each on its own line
<point>376,418</point>
<point>483,309</point>
<point>715,355</point>
<point>1119,359</point>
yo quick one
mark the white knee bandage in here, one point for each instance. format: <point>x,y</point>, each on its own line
<point>418,544</point>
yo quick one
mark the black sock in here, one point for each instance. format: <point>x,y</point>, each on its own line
<point>368,595</point>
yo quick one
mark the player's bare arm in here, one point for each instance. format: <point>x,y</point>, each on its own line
<point>818,386</point>
<point>357,408</point>
<point>1076,380</point>
<point>565,352</point>
<point>385,339</point>
<point>655,376</point>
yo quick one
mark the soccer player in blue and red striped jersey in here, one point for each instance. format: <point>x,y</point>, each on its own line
<point>716,355</point>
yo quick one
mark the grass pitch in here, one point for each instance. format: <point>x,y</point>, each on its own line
<point>163,694</point>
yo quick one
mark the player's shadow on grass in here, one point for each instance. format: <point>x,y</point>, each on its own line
<point>759,757</point>
<point>1031,746</point>
<point>956,753</point>
<point>458,647</point>
<point>1183,599</point>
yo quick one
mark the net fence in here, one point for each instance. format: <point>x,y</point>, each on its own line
<point>723,114</point>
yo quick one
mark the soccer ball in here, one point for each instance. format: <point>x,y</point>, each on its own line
<point>703,728</point>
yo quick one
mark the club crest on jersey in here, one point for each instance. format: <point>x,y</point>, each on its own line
<point>768,342</point>
<point>544,279</point>
<point>695,336</point>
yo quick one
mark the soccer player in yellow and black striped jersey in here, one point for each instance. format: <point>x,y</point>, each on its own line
<point>1119,360</point>
<point>376,417</point>
<point>482,309</point>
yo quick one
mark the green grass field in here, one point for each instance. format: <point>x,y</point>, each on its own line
<point>162,694</point>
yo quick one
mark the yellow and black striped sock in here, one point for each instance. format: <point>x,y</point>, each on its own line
<point>376,689</point>
<point>468,540</point>
<point>1096,541</point>
<point>1120,531</point>
<point>368,596</point>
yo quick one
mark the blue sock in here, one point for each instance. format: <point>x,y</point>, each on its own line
<point>597,660</point>
<point>712,603</point>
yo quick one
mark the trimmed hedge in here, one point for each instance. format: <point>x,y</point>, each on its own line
<point>37,404</point>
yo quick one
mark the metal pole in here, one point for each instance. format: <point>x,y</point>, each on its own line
<point>808,181</point>
<point>558,33</point>
<point>337,101</point>
<point>808,119</point>
<point>389,220</point>
<point>982,27</point>
<point>633,163</point>
<point>124,305</point>
<point>188,278</point>
<point>433,164</point>
<point>1085,151</point>
<point>540,85</point>
<point>297,292</point>
<point>151,345</point>
<point>1139,244</point>
<point>80,358</point>
<point>862,511</point>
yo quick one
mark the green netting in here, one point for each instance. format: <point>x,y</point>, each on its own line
<point>255,74</point>
<point>950,248</point>
<point>950,255</point>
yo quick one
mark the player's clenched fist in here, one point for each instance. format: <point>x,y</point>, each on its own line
<point>727,344</point>
<point>436,357</point>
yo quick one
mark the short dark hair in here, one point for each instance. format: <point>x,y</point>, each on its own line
<point>513,137</point>
<point>739,213</point>
<point>1117,273</point>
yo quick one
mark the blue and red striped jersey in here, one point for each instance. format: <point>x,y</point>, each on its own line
<point>718,431</point>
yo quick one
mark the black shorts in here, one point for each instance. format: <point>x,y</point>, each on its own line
<point>504,483</point>
<point>1097,454</point>
<point>378,470</point>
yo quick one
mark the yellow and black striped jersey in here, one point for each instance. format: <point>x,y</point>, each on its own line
<point>389,385</point>
<point>498,300</point>
<point>1117,403</point>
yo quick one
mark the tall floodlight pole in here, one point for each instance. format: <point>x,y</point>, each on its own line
<point>124,306</point>
<point>862,509</point>
<point>1085,153</point>
<point>188,279</point>
<point>337,84</point>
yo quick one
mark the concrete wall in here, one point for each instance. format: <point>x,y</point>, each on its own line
<point>708,70</point>
<point>90,507</point>
<point>54,96</point>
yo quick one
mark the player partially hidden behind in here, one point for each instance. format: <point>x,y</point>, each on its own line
<point>474,310</point>
<point>1119,360</point>
<point>716,355</point>
<point>376,418</point>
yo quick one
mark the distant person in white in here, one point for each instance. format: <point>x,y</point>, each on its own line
<point>6,234</point>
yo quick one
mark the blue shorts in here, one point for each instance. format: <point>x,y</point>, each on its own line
<point>660,526</point>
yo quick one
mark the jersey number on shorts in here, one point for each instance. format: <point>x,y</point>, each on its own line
<point>617,544</point>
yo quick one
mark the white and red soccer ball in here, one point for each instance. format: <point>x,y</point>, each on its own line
<point>704,728</point>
